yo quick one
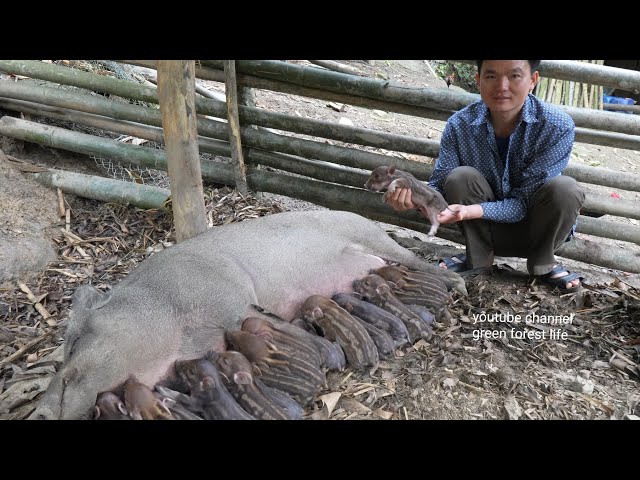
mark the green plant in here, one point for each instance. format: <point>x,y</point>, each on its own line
<point>464,74</point>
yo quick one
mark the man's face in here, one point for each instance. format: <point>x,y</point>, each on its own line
<point>505,84</point>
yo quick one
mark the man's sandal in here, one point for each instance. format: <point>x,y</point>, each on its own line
<point>457,263</point>
<point>561,282</point>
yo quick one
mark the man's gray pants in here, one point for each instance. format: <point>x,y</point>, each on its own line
<point>553,210</point>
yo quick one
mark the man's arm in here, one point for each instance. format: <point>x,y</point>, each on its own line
<point>447,160</point>
<point>547,163</point>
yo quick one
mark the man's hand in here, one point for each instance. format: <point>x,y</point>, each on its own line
<point>456,213</point>
<point>400,200</point>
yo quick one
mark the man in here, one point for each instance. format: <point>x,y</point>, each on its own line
<point>500,167</point>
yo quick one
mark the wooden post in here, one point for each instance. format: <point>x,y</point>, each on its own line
<point>234,126</point>
<point>176,92</point>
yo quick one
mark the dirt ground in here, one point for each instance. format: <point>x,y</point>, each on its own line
<point>571,356</point>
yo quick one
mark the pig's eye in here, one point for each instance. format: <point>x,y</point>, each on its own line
<point>73,346</point>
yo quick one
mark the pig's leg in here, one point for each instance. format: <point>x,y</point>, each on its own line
<point>433,218</point>
<point>390,190</point>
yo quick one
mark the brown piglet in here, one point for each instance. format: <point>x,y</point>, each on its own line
<point>422,194</point>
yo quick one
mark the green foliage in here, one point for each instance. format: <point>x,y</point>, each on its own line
<point>465,75</point>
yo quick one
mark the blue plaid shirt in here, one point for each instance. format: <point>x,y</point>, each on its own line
<point>539,149</point>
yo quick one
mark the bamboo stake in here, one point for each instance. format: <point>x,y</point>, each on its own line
<point>549,95</point>
<point>542,88</point>
<point>592,92</point>
<point>576,99</point>
<point>38,306</point>
<point>231,90</point>
<point>557,99</point>
<point>585,88</point>
<point>176,92</point>
<point>18,353</point>
<point>61,208</point>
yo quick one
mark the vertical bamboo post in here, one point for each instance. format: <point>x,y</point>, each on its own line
<point>176,94</point>
<point>239,168</point>
<point>542,88</point>
<point>572,87</point>
<point>600,89</point>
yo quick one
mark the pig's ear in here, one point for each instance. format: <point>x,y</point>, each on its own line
<point>122,408</point>
<point>380,289</point>
<point>135,415</point>
<point>96,412</point>
<point>242,378</point>
<point>164,408</point>
<point>211,356</point>
<point>208,383</point>
<point>317,313</point>
<point>391,170</point>
<point>399,284</point>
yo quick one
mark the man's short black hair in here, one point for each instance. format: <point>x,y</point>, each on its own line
<point>534,64</point>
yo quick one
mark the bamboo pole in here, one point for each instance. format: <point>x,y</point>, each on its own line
<point>104,189</point>
<point>176,91</point>
<point>138,130</point>
<point>600,90</point>
<point>256,116</point>
<point>543,88</point>
<point>338,67</point>
<point>593,90</point>
<point>368,204</point>
<point>252,81</point>
<point>438,98</point>
<point>259,139</point>
<point>572,88</point>
<point>78,78</point>
<point>402,143</point>
<point>290,163</point>
<point>603,120</point>
<point>576,99</point>
<point>269,141</point>
<point>234,126</point>
<point>82,143</point>
<point>448,100</point>
<point>609,139</point>
<point>320,170</point>
<point>582,119</point>
<point>622,108</point>
<point>354,158</point>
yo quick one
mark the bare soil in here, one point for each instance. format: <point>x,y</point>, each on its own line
<point>590,372</point>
